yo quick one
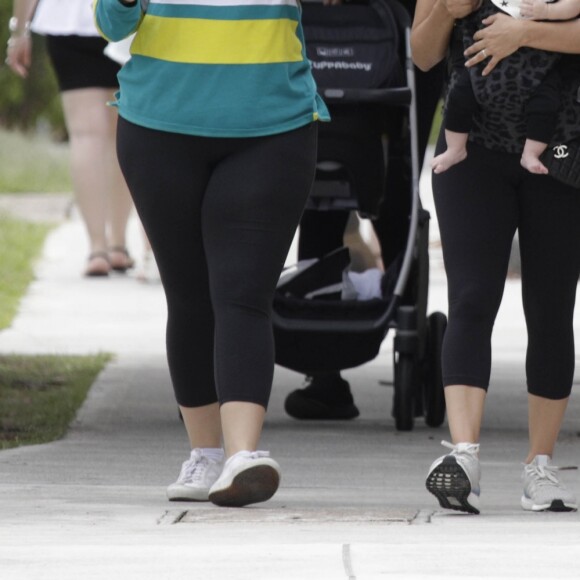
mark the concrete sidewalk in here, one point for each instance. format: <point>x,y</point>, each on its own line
<point>352,504</point>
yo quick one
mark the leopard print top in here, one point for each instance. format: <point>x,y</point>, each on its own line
<point>500,122</point>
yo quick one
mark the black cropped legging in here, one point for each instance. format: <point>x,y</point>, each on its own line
<point>480,204</point>
<point>220,215</point>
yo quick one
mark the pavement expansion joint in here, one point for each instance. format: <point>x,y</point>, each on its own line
<point>299,516</point>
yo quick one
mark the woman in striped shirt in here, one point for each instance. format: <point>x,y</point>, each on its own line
<point>217,141</point>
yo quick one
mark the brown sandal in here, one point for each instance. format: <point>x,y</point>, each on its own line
<point>120,259</point>
<point>98,265</point>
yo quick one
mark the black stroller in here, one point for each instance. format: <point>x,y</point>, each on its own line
<point>360,55</point>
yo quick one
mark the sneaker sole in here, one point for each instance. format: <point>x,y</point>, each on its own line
<point>183,497</point>
<point>187,495</point>
<point>557,505</point>
<point>253,485</point>
<point>449,483</point>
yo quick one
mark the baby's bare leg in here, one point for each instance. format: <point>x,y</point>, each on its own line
<point>456,152</point>
<point>531,156</point>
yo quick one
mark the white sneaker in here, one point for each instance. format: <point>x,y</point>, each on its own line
<point>454,479</point>
<point>542,490</point>
<point>247,477</point>
<point>197,475</point>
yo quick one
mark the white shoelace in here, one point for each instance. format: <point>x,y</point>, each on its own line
<point>545,474</point>
<point>471,448</point>
<point>542,474</point>
<point>194,468</point>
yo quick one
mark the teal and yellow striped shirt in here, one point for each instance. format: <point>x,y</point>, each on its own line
<point>215,68</point>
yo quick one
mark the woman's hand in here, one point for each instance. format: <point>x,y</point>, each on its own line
<point>501,37</point>
<point>19,54</point>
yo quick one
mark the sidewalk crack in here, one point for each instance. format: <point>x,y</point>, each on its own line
<point>171,517</point>
<point>422,517</point>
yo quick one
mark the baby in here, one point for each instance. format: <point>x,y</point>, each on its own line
<point>542,106</point>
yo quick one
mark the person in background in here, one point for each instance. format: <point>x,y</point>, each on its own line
<point>480,204</point>
<point>217,141</point>
<point>329,395</point>
<point>87,79</point>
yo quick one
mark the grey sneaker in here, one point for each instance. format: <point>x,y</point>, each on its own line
<point>454,478</point>
<point>197,475</point>
<point>248,477</point>
<point>542,489</point>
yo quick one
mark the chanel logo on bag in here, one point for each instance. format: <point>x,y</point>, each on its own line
<point>563,162</point>
<point>560,151</point>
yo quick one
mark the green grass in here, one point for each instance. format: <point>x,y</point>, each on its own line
<point>20,245</point>
<point>40,395</point>
<point>33,164</point>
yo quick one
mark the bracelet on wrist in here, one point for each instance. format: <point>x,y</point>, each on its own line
<point>15,28</point>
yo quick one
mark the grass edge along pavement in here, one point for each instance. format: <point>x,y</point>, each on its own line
<point>20,245</point>
<point>39,395</point>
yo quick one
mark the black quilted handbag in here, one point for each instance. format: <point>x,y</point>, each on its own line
<point>563,162</point>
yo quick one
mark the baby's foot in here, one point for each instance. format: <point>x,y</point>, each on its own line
<point>533,164</point>
<point>448,159</point>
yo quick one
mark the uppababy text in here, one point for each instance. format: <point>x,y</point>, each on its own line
<point>330,65</point>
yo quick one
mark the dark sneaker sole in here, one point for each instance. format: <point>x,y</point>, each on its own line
<point>559,506</point>
<point>253,485</point>
<point>450,485</point>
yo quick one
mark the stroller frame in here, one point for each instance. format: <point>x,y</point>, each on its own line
<point>417,381</point>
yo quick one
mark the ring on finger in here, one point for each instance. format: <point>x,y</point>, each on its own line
<point>483,53</point>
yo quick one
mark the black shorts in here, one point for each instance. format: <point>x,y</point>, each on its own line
<point>79,62</point>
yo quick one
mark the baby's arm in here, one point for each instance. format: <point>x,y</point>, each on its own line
<point>540,10</point>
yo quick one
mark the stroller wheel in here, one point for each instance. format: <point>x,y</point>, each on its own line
<point>433,393</point>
